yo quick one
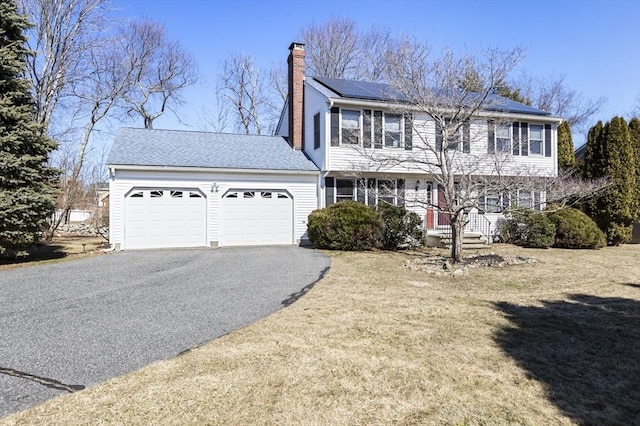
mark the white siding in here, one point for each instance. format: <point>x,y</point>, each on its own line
<point>315,103</point>
<point>478,161</point>
<point>303,188</point>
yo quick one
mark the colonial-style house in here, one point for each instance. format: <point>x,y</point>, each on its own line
<point>181,188</point>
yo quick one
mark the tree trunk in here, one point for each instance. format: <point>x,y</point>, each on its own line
<point>456,238</point>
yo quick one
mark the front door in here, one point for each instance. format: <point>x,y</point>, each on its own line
<point>443,216</point>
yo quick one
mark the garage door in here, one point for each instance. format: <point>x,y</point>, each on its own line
<point>256,217</point>
<point>165,217</point>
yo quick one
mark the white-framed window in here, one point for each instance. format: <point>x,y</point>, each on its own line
<point>345,189</point>
<point>503,138</point>
<point>536,139</point>
<point>369,191</point>
<point>497,203</point>
<point>351,126</point>
<point>393,130</point>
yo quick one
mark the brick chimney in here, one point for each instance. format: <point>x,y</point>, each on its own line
<point>296,95</point>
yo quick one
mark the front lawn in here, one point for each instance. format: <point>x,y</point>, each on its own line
<point>553,342</point>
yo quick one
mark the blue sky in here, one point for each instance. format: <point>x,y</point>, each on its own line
<point>595,44</point>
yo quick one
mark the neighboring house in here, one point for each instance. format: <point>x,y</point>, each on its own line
<point>178,188</point>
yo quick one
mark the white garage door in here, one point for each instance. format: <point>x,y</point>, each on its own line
<point>165,217</point>
<point>256,217</point>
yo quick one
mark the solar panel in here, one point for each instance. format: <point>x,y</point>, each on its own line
<point>384,92</point>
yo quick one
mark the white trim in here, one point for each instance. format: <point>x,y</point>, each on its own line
<point>363,103</point>
<point>211,169</point>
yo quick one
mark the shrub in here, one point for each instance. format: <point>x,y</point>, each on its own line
<point>347,225</point>
<point>401,227</point>
<point>576,230</point>
<point>527,228</point>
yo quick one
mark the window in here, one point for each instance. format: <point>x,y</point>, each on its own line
<point>369,191</point>
<point>316,131</point>
<point>136,195</point>
<point>497,203</point>
<point>503,138</point>
<point>195,194</point>
<point>535,139</point>
<point>176,194</point>
<point>249,194</point>
<point>266,195</point>
<point>392,130</point>
<point>387,191</point>
<point>350,126</point>
<point>345,189</point>
<point>156,194</point>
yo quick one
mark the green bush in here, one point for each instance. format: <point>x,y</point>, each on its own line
<point>576,230</point>
<point>527,228</point>
<point>347,225</point>
<point>401,227</point>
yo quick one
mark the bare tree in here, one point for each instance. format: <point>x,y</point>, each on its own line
<point>429,90</point>
<point>108,78</point>
<point>552,94</point>
<point>162,70</point>
<point>64,33</point>
<point>246,90</point>
<point>339,49</point>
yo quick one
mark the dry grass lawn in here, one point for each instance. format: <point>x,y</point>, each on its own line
<point>557,342</point>
<point>61,248</point>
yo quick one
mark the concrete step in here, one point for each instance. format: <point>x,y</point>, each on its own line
<point>469,241</point>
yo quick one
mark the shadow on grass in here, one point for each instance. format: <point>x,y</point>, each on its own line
<point>37,252</point>
<point>586,351</point>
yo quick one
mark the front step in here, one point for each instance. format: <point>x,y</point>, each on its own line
<point>470,240</point>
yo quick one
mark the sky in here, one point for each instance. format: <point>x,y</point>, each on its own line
<point>594,44</point>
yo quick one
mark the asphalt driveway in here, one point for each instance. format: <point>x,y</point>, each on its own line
<point>70,325</point>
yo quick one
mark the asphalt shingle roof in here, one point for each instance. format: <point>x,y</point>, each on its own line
<point>354,89</point>
<point>177,148</point>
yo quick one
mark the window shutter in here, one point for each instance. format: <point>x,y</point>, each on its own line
<point>329,190</point>
<point>516,138</point>
<point>491,139</point>
<point>366,129</point>
<point>401,192</point>
<point>377,129</point>
<point>408,132</point>
<point>438,137</point>
<point>547,140</point>
<point>524,139</point>
<point>466,137</point>
<point>335,126</point>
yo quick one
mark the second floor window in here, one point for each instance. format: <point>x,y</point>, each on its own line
<point>350,126</point>
<point>392,130</point>
<point>503,138</point>
<point>536,139</point>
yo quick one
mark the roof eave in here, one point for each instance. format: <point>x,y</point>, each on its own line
<point>209,169</point>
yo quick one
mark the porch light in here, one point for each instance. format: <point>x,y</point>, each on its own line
<point>214,187</point>
<point>417,185</point>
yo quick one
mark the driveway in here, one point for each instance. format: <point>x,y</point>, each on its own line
<point>70,325</point>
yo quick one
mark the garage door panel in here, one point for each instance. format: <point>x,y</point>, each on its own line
<point>157,218</point>
<point>256,217</point>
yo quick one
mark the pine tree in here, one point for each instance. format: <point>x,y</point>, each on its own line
<point>26,183</point>
<point>612,155</point>
<point>566,153</point>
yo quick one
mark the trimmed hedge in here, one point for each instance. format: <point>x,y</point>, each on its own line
<point>576,230</point>
<point>347,225</point>
<point>401,228</point>
<point>528,229</point>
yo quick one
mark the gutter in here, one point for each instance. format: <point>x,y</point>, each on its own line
<point>210,169</point>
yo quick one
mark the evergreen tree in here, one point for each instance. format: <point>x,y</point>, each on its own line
<point>566,153</point>
<point>613,156</point>
<point>593,166</point>
<point>634,130</point>
<point>26,183</point>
